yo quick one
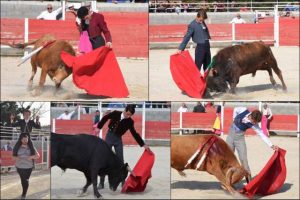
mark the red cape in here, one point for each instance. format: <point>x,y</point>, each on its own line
<point>270,179</point>
<point>186,75</point>
<point>142,170</point>
<point>97,72</point>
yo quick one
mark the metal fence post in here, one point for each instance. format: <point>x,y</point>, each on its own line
<point>180,123</point>
<point>26,33</point>
<point>276,26</point>
<point>101,115</point>
<point>63,9</point>
<point>144,121</point>
<point>233,32</point>
<point>53,125</point>
<point>222,118</point>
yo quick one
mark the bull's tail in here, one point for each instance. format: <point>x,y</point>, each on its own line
<point>21,45</point>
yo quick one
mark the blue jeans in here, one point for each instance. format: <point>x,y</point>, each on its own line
<point>202,55</point>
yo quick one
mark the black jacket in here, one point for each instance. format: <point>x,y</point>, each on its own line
<point>27,127</point>
<point>120,127</point>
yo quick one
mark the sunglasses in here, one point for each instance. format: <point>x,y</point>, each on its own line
<point>49,8</point>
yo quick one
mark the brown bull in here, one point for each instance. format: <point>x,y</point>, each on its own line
<point>220,161</point>
<point>233,62</point>
<point>48,59</point>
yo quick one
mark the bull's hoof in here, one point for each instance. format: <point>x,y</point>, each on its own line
<point>81,193</point>
<point>36,92</point>
<point>100,186</point>
<point>29,86</point>
<point>98,196</point>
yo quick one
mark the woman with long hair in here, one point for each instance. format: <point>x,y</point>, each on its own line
<point>25,154</point>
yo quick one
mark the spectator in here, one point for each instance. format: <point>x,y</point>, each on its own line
<point>267,117</point>
<point>238,19</point>
<point>67,115</point>
<point>199,108</point>
<point>49,14</point>
<point>96,26</point>
<point>182,108</point>
<point>209,105</point>
<point>177,9</point>
<point>27,124</point>
<point>10,127</point>
<point>96,117</point>
<point>7,147</point>
<point>25,154</point>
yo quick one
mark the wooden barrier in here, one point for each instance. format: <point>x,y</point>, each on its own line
<point>205,121</point>
<point>129,31</point>
<point>8,160</point>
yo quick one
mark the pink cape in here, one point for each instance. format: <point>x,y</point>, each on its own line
<point>264,122</point>
<point>186,75</point>
<point>85,45</point>
<point>270,179</point>
<point>142,171</point>
<point>97,72</point>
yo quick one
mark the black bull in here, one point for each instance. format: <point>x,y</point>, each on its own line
<point>232,62</point>
<point>90,155</point>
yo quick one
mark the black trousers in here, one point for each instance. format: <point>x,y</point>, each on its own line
<point>24,175</point>
<point>115,141</point>
<point>97,42</point>
<point>202,55</point>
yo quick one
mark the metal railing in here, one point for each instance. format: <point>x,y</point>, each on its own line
<point>226,6</point>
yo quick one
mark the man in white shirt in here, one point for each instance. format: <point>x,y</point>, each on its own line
<point>67,115</point>
<point>238,20</point>
<point>243,119</point>
<point>49,14</point>
<point>182,108</point>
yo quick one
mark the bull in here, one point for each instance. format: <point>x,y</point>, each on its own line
<point>90,155</point>
<point>49,60</point>
<point>220,160</point>
<point>230,63</point>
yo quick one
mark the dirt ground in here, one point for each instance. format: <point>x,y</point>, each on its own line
<point>162,86</point>
<point>39,185</point>
<point>201,185</point>
<point>68,184</point>
<point>14,82</point>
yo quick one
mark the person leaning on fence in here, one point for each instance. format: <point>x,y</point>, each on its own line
<point>67,115</point>
<point>119,123</point>
<point>50,14</point>
<point>96,25</point>
<point>25,154</point>
<point>238,20</point>
<point>243,119</point>
<point>198,31</point>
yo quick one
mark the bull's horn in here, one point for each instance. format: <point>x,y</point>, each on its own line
<point>130,171</point>
<point>229,174</point>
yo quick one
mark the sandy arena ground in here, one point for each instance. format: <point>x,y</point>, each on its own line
<point>68,184</point>
<point>14,82</point>
<point>39,185</point>
<point>201,185</point>
<point>162,86</point>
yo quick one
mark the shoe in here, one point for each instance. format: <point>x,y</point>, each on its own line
<point>23,197</point>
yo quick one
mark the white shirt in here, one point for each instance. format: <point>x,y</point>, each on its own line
<point>255,127</point>
<point>66,116</point>
<point>267,112</point>
<point>122,116</point>
<point>237,21</point>
<point>182,109</point>
<point>50,16</point>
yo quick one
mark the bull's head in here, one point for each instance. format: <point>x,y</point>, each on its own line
<point>118,176</point>
<point>215,80</point>
<point>236,174</point>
